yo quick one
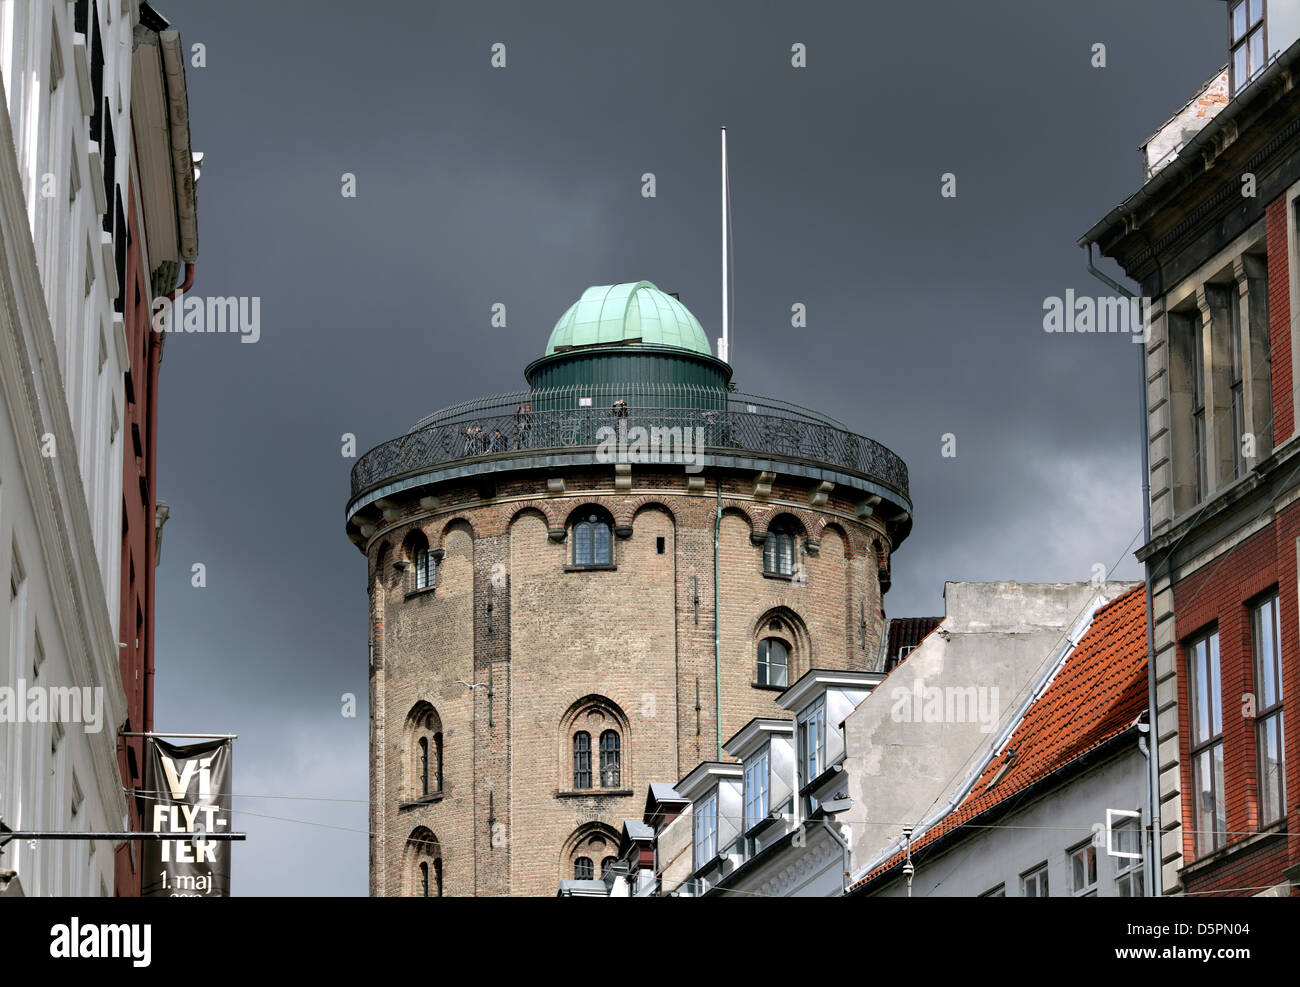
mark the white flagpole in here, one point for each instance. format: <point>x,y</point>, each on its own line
<point>726,335</point>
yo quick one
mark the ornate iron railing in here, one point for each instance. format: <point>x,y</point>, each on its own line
<point>541,421</point>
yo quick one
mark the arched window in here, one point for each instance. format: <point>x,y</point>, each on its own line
<point>424,737</point>
<point>593,748</point>
<point>605,865</point>
<point>426,570</point>
<point>582,760</point>
<point>778,548</point>
<point>424,860</point>
<point>422,560</point>
<point>593,542</point>
<point>590,842</point>
<point>773,662</point>
<point>610,764</point>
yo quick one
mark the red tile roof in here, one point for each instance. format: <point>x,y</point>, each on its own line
<point>1097,694</point>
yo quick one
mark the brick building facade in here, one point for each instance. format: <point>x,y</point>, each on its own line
<point>1211,239</point>
<point>544,641</point>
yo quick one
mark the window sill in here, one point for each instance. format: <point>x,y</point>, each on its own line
<point>590,568</point>
<point>785,577</point>
<point>423,800</point>
<point>768,686</point>
<point>420,592</point>
<point>577,793</point>
<point>1214,857</point>
<point>762,825</point>
<point>820,780</point>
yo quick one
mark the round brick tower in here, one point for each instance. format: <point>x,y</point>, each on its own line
<point>588,585</point>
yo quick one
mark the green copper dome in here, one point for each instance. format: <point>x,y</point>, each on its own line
<point>627,314</point>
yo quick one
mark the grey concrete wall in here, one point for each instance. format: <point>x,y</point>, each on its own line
<point>996,642</point>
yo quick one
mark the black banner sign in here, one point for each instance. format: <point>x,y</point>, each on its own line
<point>189,792</point>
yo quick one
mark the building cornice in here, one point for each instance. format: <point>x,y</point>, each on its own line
<point>819,680</point>
<point>755,733</point>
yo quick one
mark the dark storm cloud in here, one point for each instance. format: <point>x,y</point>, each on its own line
<point>522,186</point>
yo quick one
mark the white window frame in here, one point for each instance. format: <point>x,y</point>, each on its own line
<point>1039,878</point>
<point>1088,853</point>
<point>1128,869</point>
<point>812,758</point>
<point>705,826</point>
<point>758,803</point>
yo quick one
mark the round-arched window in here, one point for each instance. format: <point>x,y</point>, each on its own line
<point>592,541</point>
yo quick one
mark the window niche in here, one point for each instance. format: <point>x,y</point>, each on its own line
<point>420,562</point>
<point>590,531</point>
<point>594,749</point>
<point>424,781</point>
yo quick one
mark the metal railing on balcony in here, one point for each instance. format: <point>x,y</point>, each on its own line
<point>534,422</point>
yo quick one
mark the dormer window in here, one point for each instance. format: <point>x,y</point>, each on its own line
<point>705,815</point>
<point>1246,32</point>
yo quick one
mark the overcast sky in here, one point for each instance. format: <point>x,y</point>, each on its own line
<point>522,185</point>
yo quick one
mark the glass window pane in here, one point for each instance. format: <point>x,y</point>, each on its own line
<point>1215,698</point>
<point>1256,52</point>
<point>1239,20</point>
<point>1256,11</point>
<point>1271,779</point>
<point>1203,810</point>
<point>1239,74</point>
<point>1200,693</point>
<point>582,544</point>
<point>1277,648</point>
<point>602,553</point>
<point>1220,799</point>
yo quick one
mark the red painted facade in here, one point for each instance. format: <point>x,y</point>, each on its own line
<point>139,544</point>
<point>1219,596</point>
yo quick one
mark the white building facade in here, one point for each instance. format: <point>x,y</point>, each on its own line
<point>65,181</point>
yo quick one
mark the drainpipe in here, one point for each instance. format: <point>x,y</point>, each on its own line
<point>717,621</point>
<point>1153,766</point>
<point>844,854</point>
<point>185,285</point>
<point>1144,729</point>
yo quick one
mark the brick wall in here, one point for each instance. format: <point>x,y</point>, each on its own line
<point>1220,593</point>
<point>506,613</point>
